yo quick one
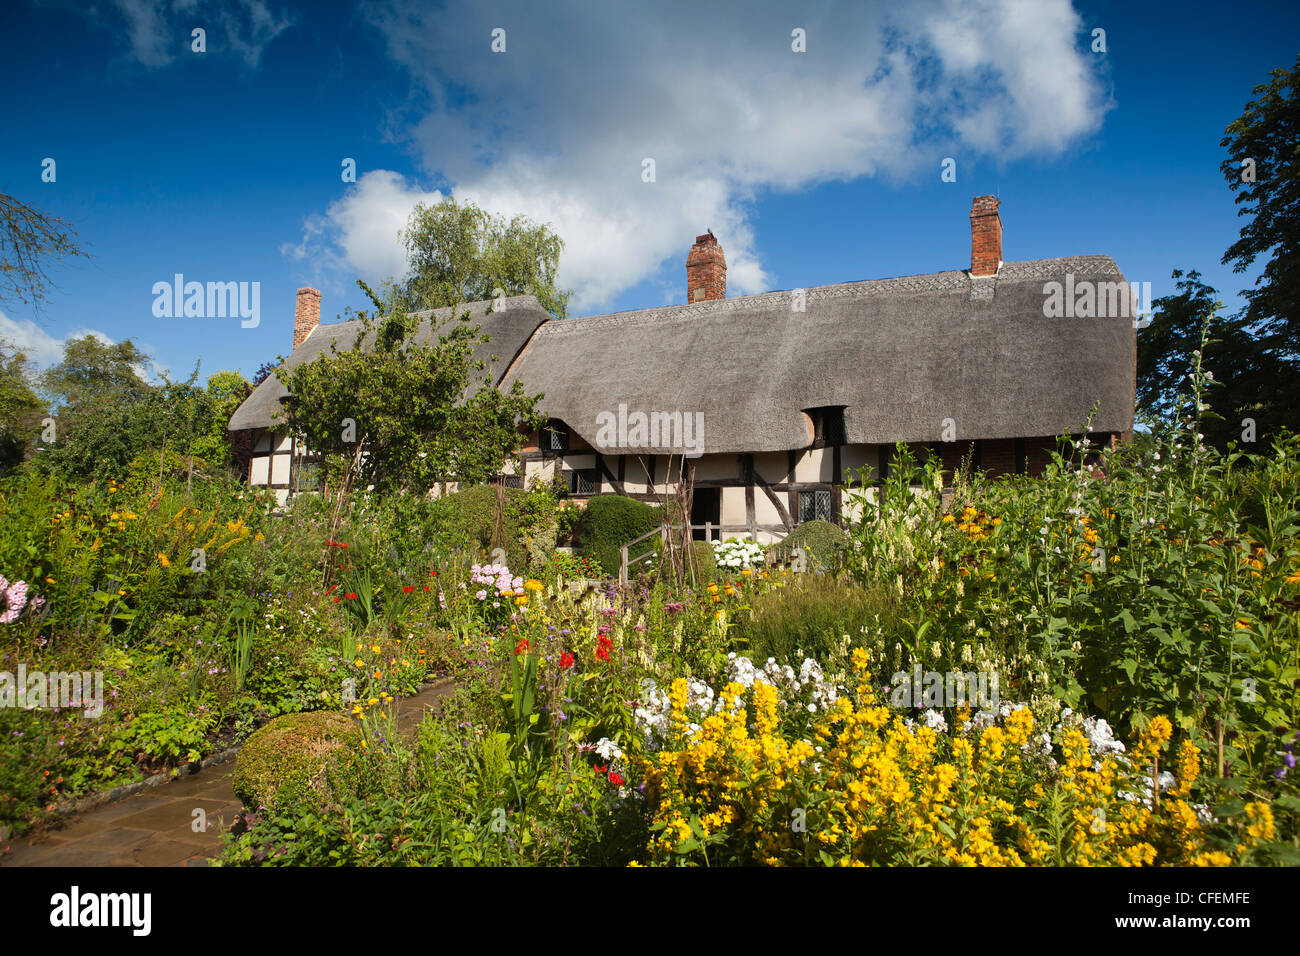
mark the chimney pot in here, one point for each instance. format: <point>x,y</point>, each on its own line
<point>985,236</point>
<point>306,315</point>
<point>706,270</point>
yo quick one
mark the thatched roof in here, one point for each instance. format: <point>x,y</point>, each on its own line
<point>901,355</point>
<point>508,331</point>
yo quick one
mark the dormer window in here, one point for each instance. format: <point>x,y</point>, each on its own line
<point>554,436</point>
<point>828,425</point>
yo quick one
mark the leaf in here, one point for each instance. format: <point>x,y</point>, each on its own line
<point>1230,807</point>
<point>1289,802</point>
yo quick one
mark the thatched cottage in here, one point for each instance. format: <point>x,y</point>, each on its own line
<point>774,401</point>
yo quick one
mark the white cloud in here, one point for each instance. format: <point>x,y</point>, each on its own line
<point>359,231</point>
<point>44,350</point>
<point>41,348</point>
<point>158,31</point>
<point>556,128</point>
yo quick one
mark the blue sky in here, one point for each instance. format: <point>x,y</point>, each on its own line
<point>811,168</point>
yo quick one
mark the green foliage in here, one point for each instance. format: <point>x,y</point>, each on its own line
<point>823,544</point>
<point>1266,134</point>
<point>1167,353</point>
<point>21,409</point>
<point>457,253</point>
<point>814,615</point>
<point>706,561</point>
<point>108,417</point>
<point>29,747</point>
<point>300,760</point>
<point>422,407</point>
<point>572,567</point>
<point>164,736</point>
<point>609,522</point>
<point>1165,589</point>
<point>468,522</point>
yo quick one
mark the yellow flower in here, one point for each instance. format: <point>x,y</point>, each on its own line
<point>162,559</point>
<point>358,663</point>
<point>948,519</point>
<point>1160,729</point>
<point>374,648</point>
<point>521,600</point>
<point>533,585</point>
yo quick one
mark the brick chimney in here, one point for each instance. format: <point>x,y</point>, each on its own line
<point>706,270</point>
<point>985,236</point>
<point>307,315</point>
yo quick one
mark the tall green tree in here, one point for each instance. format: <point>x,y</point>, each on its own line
<point>94,373</point>
<point>21,409</point>
<point>1243,368</point>
<point>1263,171</point>
<point>456,253</point>
<point>421,409</point>
<point>225,392</point>
<point>108,416</point>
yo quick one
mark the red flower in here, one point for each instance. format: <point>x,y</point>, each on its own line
<point>337,544</point>
<point>336,599</point>
<point>407,588</point>
<point>603,646</point>
<point>351,595</point>
<point>599,769</point>
<point>566,661</point>
<point>522,646</point>
<point>616,780</point>
<point>426,587</point>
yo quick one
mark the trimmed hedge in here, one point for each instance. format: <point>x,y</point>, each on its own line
<point>300,760</point>
<point>609,522</point>
<point>823,543</point>
<point>465,520</point>
<point>706,563</point>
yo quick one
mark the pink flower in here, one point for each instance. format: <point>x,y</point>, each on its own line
<point>481,595</point>
<point>13,598</point>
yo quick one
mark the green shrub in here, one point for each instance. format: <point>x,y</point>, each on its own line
<point>306,760</point>
<point>706,564</point>
<point>823,544</point>
<point>466,521</point>
<point>571,567</point>
<point>609,522</point>
<point>810,617</point>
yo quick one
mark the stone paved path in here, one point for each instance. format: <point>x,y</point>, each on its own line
<point>156,827</point>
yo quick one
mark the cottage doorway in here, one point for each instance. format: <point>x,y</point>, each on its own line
<point>706,508</point>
